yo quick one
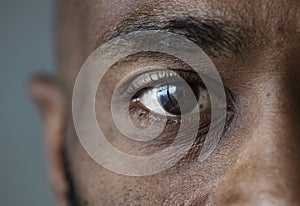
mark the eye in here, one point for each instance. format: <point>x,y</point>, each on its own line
<point>154,97</point>
<point>163,99</point>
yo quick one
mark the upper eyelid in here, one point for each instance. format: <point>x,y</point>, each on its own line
<point>144,79</point>
<point>153,76</point>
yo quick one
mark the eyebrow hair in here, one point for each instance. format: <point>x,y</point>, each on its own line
<point>215,36</point>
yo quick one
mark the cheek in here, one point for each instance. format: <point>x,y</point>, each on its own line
<point>98,186</point>
<point>267,163</point>
<point>191,183</point>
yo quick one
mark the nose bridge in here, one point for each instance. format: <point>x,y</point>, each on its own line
<point>276,136</point>
<point>267,168</point>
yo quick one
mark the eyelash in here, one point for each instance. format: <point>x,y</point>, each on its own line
<point>157,77</point>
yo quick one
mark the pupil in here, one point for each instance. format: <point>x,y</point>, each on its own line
<point>169,96</point>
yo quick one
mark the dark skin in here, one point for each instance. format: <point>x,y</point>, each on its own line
<point>257,161</point>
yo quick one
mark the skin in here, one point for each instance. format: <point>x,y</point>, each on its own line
<point>257,162</point>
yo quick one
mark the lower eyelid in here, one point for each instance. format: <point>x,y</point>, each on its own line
<point>170,132</point>
<point>172,126</point>
<point>141,113</point>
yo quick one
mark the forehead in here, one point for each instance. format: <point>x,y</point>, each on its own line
<point>84,25</point>
<point>97,18</point>
<point>260,14</point>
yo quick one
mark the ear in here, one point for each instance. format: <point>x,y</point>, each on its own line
<point>47,94</point>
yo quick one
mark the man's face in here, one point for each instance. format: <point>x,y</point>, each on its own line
<point>255,46</point>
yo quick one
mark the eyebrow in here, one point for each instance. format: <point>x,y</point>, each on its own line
<point>215,36</point>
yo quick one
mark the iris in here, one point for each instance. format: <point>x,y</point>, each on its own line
<point>177,99</point>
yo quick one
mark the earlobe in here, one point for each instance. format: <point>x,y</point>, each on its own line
<point>47,95</point>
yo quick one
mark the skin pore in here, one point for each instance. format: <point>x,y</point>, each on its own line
<point>256,47</point>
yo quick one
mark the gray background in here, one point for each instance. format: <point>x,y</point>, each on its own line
<point>25,48</point>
